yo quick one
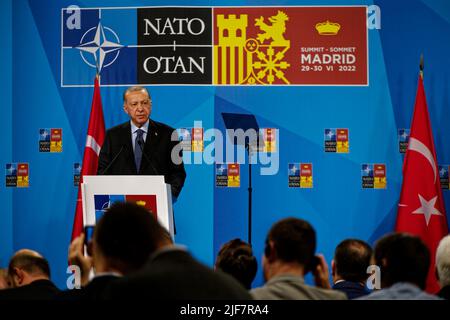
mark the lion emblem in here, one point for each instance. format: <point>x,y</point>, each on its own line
<point>274,31</point>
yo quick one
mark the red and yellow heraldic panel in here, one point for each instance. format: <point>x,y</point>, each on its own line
<point>290,46</point>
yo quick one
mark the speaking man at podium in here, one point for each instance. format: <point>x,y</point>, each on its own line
<point>141,146</point>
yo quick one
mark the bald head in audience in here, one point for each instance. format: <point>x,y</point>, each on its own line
<point>27,266</point>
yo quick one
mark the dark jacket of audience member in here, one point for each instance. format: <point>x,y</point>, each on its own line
<point>349,267</point>
<point>404,262</point>
<point>123,240</point>
<point>236,258</point>
<point>29,274</point>
<point>173,274</point>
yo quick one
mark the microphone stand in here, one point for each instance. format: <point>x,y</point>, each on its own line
<point>112,162</point>
<point>250,190</point>
<point>146,158</point>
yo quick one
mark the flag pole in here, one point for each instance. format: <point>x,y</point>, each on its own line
<point>421,66</point>
<point>97,73</point>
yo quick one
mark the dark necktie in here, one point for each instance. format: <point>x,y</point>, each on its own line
<point>138,146</point>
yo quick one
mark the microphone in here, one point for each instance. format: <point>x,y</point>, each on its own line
<point>112,161</point>
<point>140,142</point>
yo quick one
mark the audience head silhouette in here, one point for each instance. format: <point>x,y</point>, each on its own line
<point>236,258</point>
<point>27,266</point>
<point>290,242</point>
<point>402,258</point>
<point>124,238</point>
<point>443,261</point>
<point>351,259</point>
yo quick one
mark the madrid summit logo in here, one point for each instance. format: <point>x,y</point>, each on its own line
<point>373,176</point>
<point>50,140</point>
<point>17,175</point>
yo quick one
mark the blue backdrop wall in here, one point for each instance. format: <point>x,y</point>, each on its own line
<point>41,216</point>
<point>6,238</point>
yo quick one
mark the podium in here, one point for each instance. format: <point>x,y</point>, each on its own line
<point>100,192</point>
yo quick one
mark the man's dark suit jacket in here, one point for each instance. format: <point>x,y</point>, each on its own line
<point>36,290</point>
<point>353,290</point>
<point>176,275</point>
<point>156,158</point>
<point>445,293</point>
<point>93,291</point>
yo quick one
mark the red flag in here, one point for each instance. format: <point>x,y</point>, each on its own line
<point>94,142</point>
<point>421,209</point>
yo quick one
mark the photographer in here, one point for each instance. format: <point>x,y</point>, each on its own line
<point>288,257</point>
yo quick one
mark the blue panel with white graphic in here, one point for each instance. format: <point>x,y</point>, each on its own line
<point>403,135</point>
<point>76,168</point>
<point>294,170</point>
<point>101,204</point>
<point>330,135</point>
<point>44,134</point>
<point>110,72</point>
<point>77,23</point>
<point>11,169</point>
<point>116,198</point>
<point>443,172</point>
<point>221,169</point>
<point>104,42</point>
<point>367,170</point>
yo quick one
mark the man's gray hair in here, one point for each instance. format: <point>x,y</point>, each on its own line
<point>135,89</point>
<point>443,261</point>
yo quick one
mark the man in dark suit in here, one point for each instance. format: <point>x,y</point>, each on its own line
<point>122,242</point>
<point>349,267</point>
<point>142,146</point>
<point>173,274</point>
<point>404,262</point>
<point>29,275</point>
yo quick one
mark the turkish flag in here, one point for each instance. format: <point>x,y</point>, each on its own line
<point>94,141</point>
<point>421,209</point>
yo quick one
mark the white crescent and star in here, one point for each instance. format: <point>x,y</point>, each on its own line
<point>418,146</point>
<point>427,207</point>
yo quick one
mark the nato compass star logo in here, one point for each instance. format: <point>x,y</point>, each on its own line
<point>45,134</point>
<point>184,135</point>
<point>330,135</point>
<point>443,172</point>
<point>11,169</point>
<point>403,135</point>
<point>76,168</point>
<point>293,170</point>
<point>99,47</point>
<point>367,170</point>
<point>221,170</point>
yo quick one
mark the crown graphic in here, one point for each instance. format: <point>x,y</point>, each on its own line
<point>141,203</point>
<point>328,28</point>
